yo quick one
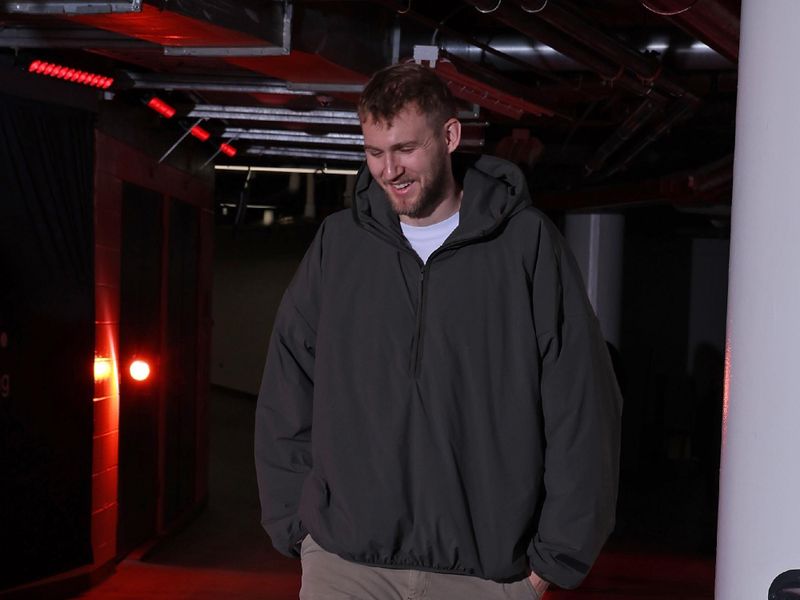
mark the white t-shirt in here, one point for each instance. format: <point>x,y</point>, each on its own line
<point>424,240</point>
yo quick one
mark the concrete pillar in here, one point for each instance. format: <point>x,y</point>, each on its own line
<point>759,519</point>
<point>597,241</point>
<point>294,182</point>
<point>310,209</point>
<point>349,190</point>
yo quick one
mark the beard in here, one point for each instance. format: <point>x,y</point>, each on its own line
<point>429,197</point>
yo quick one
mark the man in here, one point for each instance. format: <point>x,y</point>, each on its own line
<point>438,416</point>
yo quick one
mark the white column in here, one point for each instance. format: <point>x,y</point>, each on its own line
<point>759,512</point>
<point>310,209</point>
<point>597,242</point>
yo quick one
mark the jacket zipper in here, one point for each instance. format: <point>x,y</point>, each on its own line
<point>417,357</point>
<point>416,364</point>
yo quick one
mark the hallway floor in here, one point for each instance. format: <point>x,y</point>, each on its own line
<point>224,554</point>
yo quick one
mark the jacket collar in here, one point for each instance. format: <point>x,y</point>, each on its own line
<point>494,190</point>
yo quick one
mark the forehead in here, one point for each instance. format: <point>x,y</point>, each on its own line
<point>408,124</point>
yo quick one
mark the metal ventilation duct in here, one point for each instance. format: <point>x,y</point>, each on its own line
<point>70,7</point>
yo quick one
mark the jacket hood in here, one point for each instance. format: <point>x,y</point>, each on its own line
<point>494,190</point>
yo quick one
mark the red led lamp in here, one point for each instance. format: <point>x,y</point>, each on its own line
<point>227,150</point>
<point>139,370</point>
<point>200,133</point>
<point>41,67</point>
<point>161,107</point>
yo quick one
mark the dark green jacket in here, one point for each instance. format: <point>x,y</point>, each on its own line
<point>460,416</point>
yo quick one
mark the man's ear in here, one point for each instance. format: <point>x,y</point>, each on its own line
<point>452,134</point>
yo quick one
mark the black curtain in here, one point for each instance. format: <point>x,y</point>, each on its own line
<point>46,338</point>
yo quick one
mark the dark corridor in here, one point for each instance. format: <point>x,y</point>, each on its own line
<point>225,554</point>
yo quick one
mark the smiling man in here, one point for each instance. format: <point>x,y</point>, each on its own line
<point>410,159</point>
<point>438,416</point>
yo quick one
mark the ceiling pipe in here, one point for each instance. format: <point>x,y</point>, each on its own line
<point>481,86</point>
<point>471,138</point>
<point>74,7</point>
<point>680,109</point>
<point>275,115</point>
<point>713,176</point>
<point>709,21</point>
<point>616,74</point>
<point>401,8</point>
<point>294,137</point>
<point>623,133</point>
<point>684,57</point>
<point>237,84</point>
<point>569,38</point>
<point>338,155</point>
<point>565,17</point>
<point>176,81</point>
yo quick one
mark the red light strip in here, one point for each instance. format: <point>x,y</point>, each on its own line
<point>227,150</point>
<point>200,133</point>
<point>161,107</point>
<point>41,67</point>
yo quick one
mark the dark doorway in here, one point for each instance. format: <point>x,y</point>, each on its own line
<point>181,362</point>
<point>139,337</point>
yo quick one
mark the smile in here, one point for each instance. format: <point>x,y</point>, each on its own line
<point>402,187</point>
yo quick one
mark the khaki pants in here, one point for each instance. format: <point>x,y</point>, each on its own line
<point>326,576</point>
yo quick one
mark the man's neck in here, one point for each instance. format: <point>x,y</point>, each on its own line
<point>444,210</point>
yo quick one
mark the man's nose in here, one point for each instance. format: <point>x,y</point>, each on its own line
<point>391,168</point>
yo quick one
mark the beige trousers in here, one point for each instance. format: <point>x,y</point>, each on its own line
<point>326,576</point>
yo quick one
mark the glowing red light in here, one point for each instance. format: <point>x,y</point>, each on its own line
<point>200,133</point>
<point>227,149</point>
<point>161,107</point>
<point>139,370</point>
<point>102,369</point>
<point>66,73</point>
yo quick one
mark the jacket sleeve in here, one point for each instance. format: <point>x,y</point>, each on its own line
<point>285,402</point>
<point>581,406</point>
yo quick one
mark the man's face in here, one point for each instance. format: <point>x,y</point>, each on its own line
<point>410,159</point>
